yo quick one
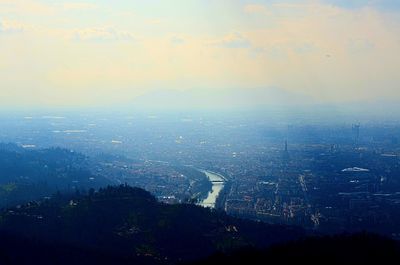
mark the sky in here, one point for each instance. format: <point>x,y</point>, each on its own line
<point>100,53</point>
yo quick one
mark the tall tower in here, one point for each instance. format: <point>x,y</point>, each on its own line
<point>356,132</point>
<point>285,154</point>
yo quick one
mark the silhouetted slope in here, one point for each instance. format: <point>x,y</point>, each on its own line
<point>16,250</point>
<point>125,225</point>
<point>340,249</point>
<point>32,174</point>
<point>129,222</point>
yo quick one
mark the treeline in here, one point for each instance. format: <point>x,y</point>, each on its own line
<point>129,222</point>
<point>31,174</point>
<point>125,225</point>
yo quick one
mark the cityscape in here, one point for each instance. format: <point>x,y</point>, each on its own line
<point>328,178</point>
<point>195,132</point>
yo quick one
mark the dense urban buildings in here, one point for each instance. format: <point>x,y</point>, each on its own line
<point>327,177</point>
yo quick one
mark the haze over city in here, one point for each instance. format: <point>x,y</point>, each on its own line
<point>199,132</point>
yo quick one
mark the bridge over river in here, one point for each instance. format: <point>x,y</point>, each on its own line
<point>218,183</point>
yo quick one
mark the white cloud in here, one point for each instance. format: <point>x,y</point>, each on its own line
<point>255,8</point>
<point>154,21</point>
<point>233,40</point>
<point>79,6</point>
<point>12,26</point>
<point>102,34</point>
<point>177,40</point>
<point>24,7</point>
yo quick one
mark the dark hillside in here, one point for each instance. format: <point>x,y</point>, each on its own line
<point>33,174</point>
<point>129,222</point>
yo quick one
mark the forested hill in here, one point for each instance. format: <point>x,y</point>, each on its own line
<point>130,224</point>
<point>32,174</point>
<point>351,249</point>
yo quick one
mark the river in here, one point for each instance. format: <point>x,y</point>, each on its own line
<point>218,183</point>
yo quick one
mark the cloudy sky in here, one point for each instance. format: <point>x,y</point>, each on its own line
<point>94,53</point>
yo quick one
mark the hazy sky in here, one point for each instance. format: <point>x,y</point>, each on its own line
<point>84,53</point>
